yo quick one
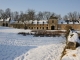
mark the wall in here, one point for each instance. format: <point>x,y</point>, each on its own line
<point>74,26</point>
<point>37,26</point>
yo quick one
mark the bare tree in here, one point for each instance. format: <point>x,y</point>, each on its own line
<point>12,16</point>
<point>21,16</point>
<point>1,11</point>
<point>46,15</point>
<point>8,12</point>
<point>39,16</point>
<point>59,17</point>
<point>31,14</point>
<point>2,14</point>
<point>16,15</point>
<point>65,17</point>
<point>70,16</point>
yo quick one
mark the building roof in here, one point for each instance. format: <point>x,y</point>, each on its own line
<point>11,21</point>
<point>7,19</point>
<point>69,22</point>
<point>1,20</point>
<point>62,22</point>
<point>38,21</point>
<point>51,17</point>
<point>30,22</point>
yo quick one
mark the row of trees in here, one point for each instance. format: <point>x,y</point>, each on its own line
<point>72,16</point>
<point>31,14</point>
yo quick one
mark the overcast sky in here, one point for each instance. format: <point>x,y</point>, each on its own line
<point>57,6</point>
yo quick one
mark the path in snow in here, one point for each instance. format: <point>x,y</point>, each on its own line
<point>47,52</point>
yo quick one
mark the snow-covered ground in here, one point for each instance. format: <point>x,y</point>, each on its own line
<point>72,54</point>
<point>18,47</point>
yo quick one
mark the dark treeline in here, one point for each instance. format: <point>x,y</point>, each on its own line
<point>31,14</point>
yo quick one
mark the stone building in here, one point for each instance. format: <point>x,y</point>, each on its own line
<point>5,22</point>
<point>52,24</point>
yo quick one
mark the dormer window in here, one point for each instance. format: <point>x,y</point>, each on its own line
<point>61,22</point>
<point>43,22</point>
<point>32,22</point>
<point>37,22</point>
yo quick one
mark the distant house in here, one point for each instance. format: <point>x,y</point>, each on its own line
<point>5,22</point>
<point>52,24</point>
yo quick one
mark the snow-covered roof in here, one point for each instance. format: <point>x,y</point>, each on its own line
<point>7,19</point>
<point>30,21</point>
<point>12,21</point>
<point>1,19</point>
<point>70,22</point>
<point>40,22</point>
<point>37,21</point>
<point>62,22</point>
<point>26,22</point>
<point>16,22</point>
<point>43,21</point>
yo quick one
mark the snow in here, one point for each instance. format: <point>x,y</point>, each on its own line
<point>73,37</point>
<point>11,30</point>
<point>72,54</point>
<point>40,21</point>
<point>62,22</point>
<point>19,47</point>
<point>35,22</point>
<point>1,19</point>
<point>12,21</point>
<point>7,19</point>
<point>47,52</point>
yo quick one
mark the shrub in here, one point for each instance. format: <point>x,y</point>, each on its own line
<point>71,45</point>
<point>22,33</point>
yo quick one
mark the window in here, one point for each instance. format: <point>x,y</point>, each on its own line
<point>37,22</point>
<point>43,22</point>
<point>37,27</point>
<point>52,21</point>
<point>43,27</point>
<point>32,22</point>
<point>40,27</point>
<point>61,22</point>
<point>46,28</point>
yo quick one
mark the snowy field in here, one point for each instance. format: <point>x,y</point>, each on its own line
<point>19,47</point>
